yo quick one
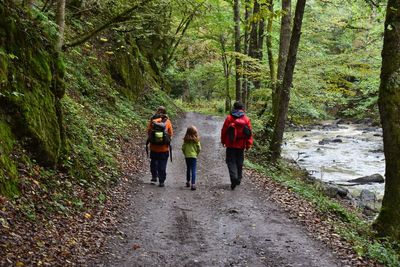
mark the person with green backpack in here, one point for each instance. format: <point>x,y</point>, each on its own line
<point>159,134</point>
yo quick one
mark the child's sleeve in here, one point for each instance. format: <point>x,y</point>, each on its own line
<point>198,148</point>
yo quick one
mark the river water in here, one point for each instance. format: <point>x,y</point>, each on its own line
<point>360,153</point>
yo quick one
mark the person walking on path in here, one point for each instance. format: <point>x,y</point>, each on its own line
<point>236,136</point>
<point>191,148</point>
<point>159,131</point>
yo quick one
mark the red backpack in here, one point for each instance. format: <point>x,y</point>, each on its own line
<point>238,129</point>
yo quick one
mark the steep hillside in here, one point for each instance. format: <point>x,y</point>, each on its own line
<point>65,113</point>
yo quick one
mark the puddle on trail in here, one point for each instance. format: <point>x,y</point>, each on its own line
<point>360,153</point>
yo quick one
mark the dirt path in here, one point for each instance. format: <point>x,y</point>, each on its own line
<point>212,226</point>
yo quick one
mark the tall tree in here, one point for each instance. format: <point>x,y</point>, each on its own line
<point>388,221</point>
<point>236,18</point>
<point>227,66</point>
<point>261,33</point>
<point>268,41</point>
<point>186,20</point>
<point>245,85</point>
<point>284,42</point>
<point>60,20</point>
<point>279,127</point>
<point>254,38</point>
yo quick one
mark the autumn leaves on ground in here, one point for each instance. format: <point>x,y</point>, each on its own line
<point>261,223</point>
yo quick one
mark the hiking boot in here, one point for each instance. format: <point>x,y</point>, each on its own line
<point>193,187</point>
<point>233,185</point>
<point>153,180</point>
<point>161,185</point>
<point>187,184</point>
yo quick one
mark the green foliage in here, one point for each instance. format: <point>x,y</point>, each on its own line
<point>337,70</point>
<point>338,61</point>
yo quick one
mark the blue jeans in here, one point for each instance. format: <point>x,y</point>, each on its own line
<point>158,165</point>
<point>191,168</point>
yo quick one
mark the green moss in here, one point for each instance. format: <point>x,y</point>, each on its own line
<point>8,170</point>
<point>40,66</point>
<point>132,72</point>
<point>38,121</point>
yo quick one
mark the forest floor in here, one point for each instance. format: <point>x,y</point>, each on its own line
<point>260,223</point>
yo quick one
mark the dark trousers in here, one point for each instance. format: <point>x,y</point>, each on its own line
<point>191,169</point>
<point>234,160</point>
<point>158,165</point>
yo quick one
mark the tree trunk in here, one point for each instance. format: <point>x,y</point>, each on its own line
<point>253,42</point>
<point>260,42</point>
<point>269,42</point>
<point>279,127</point>
<point>225,64</point>
<point>236,17</point>
<point>261,30</point>
<point>60,20</point>
<point>284,43</point>
<point>388,221</point>
<point>245,84</point>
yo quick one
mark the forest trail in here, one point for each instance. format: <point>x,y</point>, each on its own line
<point>212,226</point>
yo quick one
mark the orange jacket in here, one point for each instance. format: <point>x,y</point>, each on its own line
<point>168,126</point>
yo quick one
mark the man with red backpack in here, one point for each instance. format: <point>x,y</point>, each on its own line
<point>159,131</point>
<point>236,136</point>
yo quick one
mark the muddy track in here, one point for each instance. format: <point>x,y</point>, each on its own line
<point>212,226</point>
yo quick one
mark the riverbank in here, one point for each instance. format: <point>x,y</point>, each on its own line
<point>336,152</point>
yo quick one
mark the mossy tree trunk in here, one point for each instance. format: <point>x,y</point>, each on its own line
<point>60,20</point>
<point>279,127</point>
<point>284,42</point>
<point>268,41</point>
<point>388,221</point>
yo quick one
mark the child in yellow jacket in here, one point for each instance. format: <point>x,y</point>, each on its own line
<point>191,148</point>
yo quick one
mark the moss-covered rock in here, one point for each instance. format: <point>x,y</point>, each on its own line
<point>132,70</point>
<point>30,74</point>
<point>8,170</point>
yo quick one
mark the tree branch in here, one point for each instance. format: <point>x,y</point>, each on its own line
<point>119,18</point>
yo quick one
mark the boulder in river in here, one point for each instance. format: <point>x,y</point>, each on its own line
<point>325,141</point>
<point>374,178</point>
